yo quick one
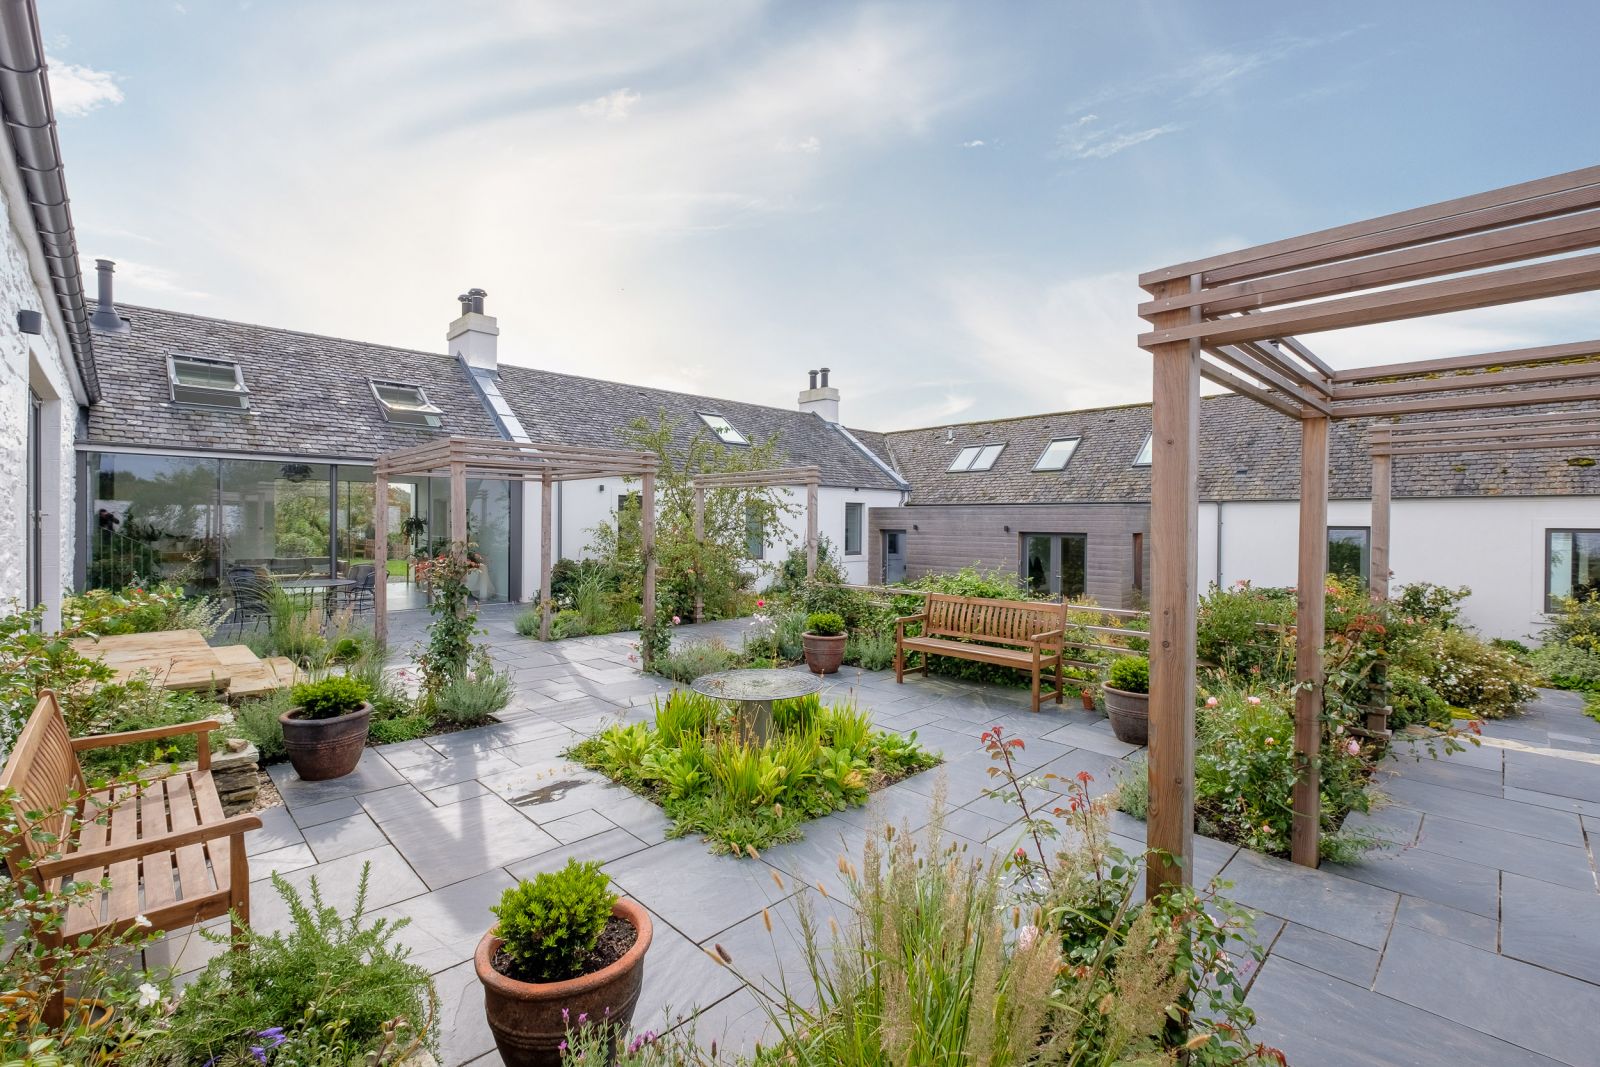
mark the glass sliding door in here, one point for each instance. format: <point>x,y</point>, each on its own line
<point>277,517</point>
<point>488,531</point>
<point>152,518</point>
<point>1056,564</point>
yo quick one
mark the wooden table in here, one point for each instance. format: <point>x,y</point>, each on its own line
<point>178,659</point>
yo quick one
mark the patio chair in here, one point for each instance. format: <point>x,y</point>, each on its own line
<point>360,597</point>
<point>251,595</point>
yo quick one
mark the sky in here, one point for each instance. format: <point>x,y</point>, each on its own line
<point>946,204</point>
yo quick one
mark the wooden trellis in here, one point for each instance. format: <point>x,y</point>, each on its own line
<point>1236,319</point>
<point>461,458</point>
<point>810,477</point>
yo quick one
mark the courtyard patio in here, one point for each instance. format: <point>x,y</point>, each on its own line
<point>1475,940</point>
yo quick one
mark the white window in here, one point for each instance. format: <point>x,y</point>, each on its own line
<point>723,429</point>
<point>208,383</point>
<point>1057,454</point>
<point>976,457</point>
<point>1146,451</point>
<point>853,515</point>
<point>406,405</point>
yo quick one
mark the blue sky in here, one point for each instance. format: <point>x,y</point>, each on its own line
<point>947,204</point>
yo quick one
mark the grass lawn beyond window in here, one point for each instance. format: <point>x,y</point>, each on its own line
<point>822,758</point>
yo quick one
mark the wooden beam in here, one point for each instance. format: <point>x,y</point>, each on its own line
<point>546,536</point>
<point>700,551</point>
<point>1519,444</point>
<point>1212,373</point>
<point>1546,374</point>
<point>1242,358</point>
<point>1575,424</point>
<point>811,531</point>
<point>1378,580</point>
<point>1555,278</point>
<point>1174,559</point>
<point>380,560</point>
<point>1310,626</point>
<point>647,545</point>
<point>458,509</point>
<point>1298,347</point>
<point>1466,401</point>
<point>1543,198</point>
<point>1522,420</point>
<point>1481,361</point>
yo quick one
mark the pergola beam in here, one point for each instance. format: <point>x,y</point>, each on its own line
<point>1213,373</point>
<point>1417,405</point>
<point>1482,361</point>
<point>1544,374</point>
<point>1521,444</point>
<point>1496,421</point>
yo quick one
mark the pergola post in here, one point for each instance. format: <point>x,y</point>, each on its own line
<point>700,552</point>
<point>647,545</point>
<point>1378,580</point>
<point>545,525</point>
<point>1174,561</point>
<point>458,509</point>
<point>1310,633</point>
<point>811,529</point>
<point>380,557</point>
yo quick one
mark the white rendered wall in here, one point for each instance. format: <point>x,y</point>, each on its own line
<point>35,360</point>
<point>1493,545</point>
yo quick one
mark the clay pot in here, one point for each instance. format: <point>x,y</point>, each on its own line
<point>1129,714</point>
<point>526,1017</point>
<point>824,654</point>
<point>1087,696</point>
<point>325,748</point>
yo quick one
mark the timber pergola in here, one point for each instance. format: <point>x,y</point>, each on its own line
<point>461,458</point>
<point>810,477</point>
<point>1236,319</point>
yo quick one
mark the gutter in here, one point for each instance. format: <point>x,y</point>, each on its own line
<point>31,129</point>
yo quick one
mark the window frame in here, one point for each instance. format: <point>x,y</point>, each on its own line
<point>1146,455</point>
<point>1550,607</point>
<point>239,394</point>
<point>1366,548</point>
<point>860,527</point>
<point>426,408</point>
<point>1076,441</point>
<point>991,450</point>
<point>706,417</point>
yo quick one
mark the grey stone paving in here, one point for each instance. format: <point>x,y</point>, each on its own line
<point>1474,940</point>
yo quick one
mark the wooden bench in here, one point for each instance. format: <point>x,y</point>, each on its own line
<point>1024,634</point>
<point>161,846</point>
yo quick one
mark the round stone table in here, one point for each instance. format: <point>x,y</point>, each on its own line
<point>753,692</point>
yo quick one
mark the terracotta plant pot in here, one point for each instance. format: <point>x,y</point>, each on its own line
<point>824,654</point>
<point>325,748</point>
<point>1087,696</point>
<point>1129,713</point>
<point>526,1017</point>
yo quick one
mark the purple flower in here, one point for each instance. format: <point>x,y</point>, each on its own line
<point>259,1053</point>
<point>273,1034</point>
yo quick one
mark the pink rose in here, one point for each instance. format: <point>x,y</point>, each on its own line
<point>1252,700</point>
<point>1211,702</point>
<point>1353,747</point>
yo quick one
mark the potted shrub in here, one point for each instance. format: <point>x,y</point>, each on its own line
<point>326,730</point>
<point>565,948</point>
<point>1127,693</point>
<point>824,642</point>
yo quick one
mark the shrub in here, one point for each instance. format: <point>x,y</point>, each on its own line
<point>1568,666</point>
<point>1244,630</point>
<point>1469,673</point>
<point>257,722</point>
<point>527,622</point>
<point>870,652</point>
<point>399,728</point>
<point>1412,702</point>
<point>825,624</point>
<point>789,636</point>
<point>473,698</point>
<point>1434,605</point>
<point>1131,674</point>
<point>689,661</point>
<point>567,623</point>
<point>684,714</point>
<point>448,651</point>
<point>138,705</point>
<point>30,662</point>
<point>549,926</point>
<point>1577,623</point>
<point>331,697</point>
<point>328,990</point>
<point>138,610</point>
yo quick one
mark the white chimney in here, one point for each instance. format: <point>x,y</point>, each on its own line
<point>821,398</point>
<point>474,337</point>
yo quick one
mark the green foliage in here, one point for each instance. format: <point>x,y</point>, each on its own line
<point>334,982</point>
<point>138,610</point>
<point>447,653</point>
<point>825,624</point>
<point>1131,674</point>
<point>1245,631</point>
<point>292,630</point>
<point>400,728</point>
<point>1576,622</point>
<point>689,661</point>
<point>567,623</point>
<point>474,697</point>
<point>655,638</point>
<point>743,796</point>
<point>549,926</point>
<point>527,622</point>
<point>1412,702</point>
<point>257,722</point>
<point>1433,605</point>
<point>138,705</point>
<point>1568,666</point>
<point>1468,672</point>
<point>870,652</point>
<point>31,662</point>
<point>331,697</point>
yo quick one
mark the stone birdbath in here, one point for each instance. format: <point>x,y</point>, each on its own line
<point>753,692</point>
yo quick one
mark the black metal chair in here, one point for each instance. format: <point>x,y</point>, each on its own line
<point>251,595</point>
<point>361,596</point>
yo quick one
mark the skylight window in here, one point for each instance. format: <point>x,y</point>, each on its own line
<point>1057,454</point>
<point>723,429</point>
<point>406,405</point>
<point>976,457</point>
<point>1146,451</point>
<point>207,383</point>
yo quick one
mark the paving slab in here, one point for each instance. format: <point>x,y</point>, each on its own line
<point>1356,964</point>
<point>455,842</point>
<point>680,979</point>
<point>600,848</point>
<point>1432,876</point>
<point>1530,820</point>
<point>1553,926</point>
<point>1442,921</point>
<point>342,837</point>
<point>1352,910</point>
<point>1518,853</point>
<point>696,892</point>
<point>390,880</point>
<point>372,773</point>
<point>1577,779</point>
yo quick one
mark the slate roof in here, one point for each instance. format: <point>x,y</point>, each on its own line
<point>589,411</point>
<point>309,396</point>
<point>1247,452</point>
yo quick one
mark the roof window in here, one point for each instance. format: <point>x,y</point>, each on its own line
<point>207,383</point>
<point>1057,454</point>
<point>723,429</point>
<point>1146,451</point>
<point>406,405</point>
<point>976,458</point>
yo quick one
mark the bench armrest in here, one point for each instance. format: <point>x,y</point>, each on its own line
<point>1040,638</point>
<point>236,826</point>
<point>154,733</point>
<point>900,623</point>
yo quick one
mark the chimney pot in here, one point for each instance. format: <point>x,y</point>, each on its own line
<point>477,296</point>
<point>824,373</point>
<point>813,375</point>
<point>466,304</point>
<point>105,318</point>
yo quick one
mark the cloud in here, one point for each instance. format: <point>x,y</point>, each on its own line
<point>806,145</point>
<point>1079,140</point>
<point>613,107</point>
<point>76,90</point>
<point>973,144</point>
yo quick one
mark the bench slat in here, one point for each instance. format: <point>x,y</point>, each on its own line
<point>124,898</point>
<point>210,809</point>
<point>154,819</point>
<point>193,878</point>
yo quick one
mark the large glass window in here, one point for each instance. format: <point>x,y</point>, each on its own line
<point>853,516</point>
<point>755,533</point>
<point>488,531</point>
<point>1572,569</point>
<point>276,517</point>
<point>1350,551</point>
<point>1056,564</point>
<point>152,518</point>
